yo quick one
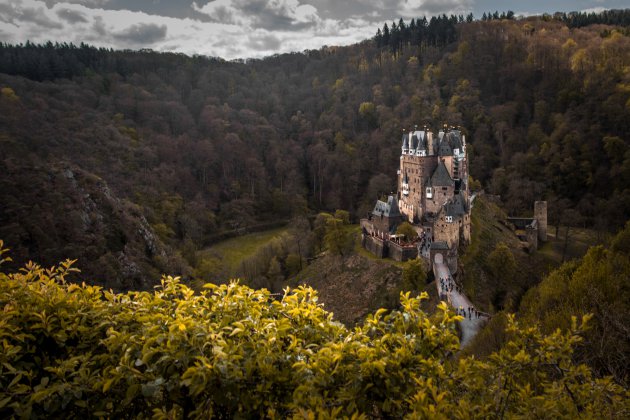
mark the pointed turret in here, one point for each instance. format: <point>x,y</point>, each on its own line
<point>414,141</point>
<point>392,203</point>
<point>421,150</point>
<point>405,143</point>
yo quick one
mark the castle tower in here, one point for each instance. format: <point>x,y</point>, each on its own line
<point>540,214</point>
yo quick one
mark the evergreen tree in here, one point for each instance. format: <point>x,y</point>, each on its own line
<point>386,36</point>
<point>379,38</point>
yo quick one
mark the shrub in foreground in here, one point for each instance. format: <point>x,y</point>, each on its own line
<point>230,352</point>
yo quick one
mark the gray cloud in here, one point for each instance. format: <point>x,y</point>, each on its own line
<point>37,16</point>
<point>170,8</point>
<point>7,13</point>
<point>13,13</point>
<point>278,18</point>
<point>434,7</point>
<point>263,43</point>
<point>7,37</point>
<point>99,26</point>
<point>71,16</point>
<point>278,15</point>
<point>87,3</point>
<point>340,10</point>
<point>223,14</point>
<point>142,34</point>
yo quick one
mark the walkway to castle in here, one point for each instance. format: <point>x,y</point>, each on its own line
<point>469,325</point>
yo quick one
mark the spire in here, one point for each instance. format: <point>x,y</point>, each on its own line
<point>393,206</point>
<point>414,142</point>
<point>405,142</point>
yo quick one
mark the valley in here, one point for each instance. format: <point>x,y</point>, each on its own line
<point>184,236</point>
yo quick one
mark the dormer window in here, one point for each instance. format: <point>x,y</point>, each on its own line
<point>429,192</point>
<point>449,219</point>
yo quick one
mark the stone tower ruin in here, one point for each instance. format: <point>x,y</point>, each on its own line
<point>540,214</point>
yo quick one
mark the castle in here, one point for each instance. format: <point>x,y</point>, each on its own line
<point>432,195</point>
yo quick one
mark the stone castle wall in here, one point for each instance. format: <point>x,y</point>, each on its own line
<point>446,232</point>
<point>376,246</point>
<point>402,253</point>
<point>532,237</point>
<point>387,249</point>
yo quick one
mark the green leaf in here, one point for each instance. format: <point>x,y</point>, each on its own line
<point>5,401</point>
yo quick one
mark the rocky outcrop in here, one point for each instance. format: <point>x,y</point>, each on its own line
<point>57,211</point>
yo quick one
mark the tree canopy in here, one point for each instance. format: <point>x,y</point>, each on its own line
<point>199,147</point>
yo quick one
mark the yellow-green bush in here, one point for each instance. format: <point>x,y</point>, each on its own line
<point>79,351</point>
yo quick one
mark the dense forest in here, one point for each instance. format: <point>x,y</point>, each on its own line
<point>132,160</point>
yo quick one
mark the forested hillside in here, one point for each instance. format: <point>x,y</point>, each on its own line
<point>197,146</point>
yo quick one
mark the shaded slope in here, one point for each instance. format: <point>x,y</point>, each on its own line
<point>52,211</point>
<point>487,290</point>
<point>350,288</point>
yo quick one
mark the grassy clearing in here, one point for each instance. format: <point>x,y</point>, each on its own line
<point>580,240</point>
<point>232,251</point>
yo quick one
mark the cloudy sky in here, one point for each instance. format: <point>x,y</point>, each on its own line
<point>237,28</point>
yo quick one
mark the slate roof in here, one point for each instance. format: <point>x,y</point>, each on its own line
<point>422,139</point>
<point>436,141</point>
<point>405,140</point>
<point>441,177</point>
<point>455,139</point>
<point>456,207</point>
<point>445,148</point>
<point>448,142</point>
<point>414,141</point>
<point>389,209</point>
